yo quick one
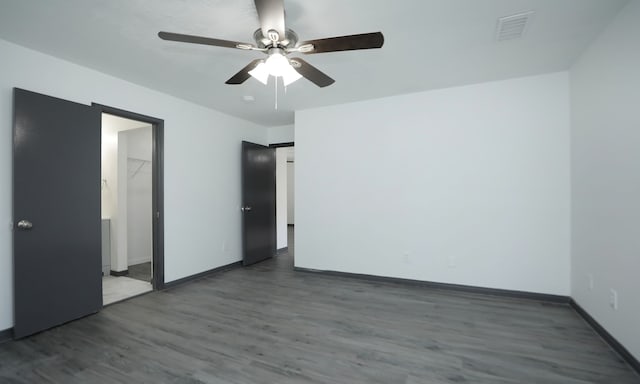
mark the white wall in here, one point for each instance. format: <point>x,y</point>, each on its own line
<point>283,134</point>
<point>277,135</point>
<point>123,195</point>
<point>202,186</point>
<point>109,171</point>
<point>119,223</point>
<point>605,140</point>
<point>140,143</point>
<point>281,197</point>
<point>139,195</point>
<point>466,185</point>
<point>111,190</point>
<point>291,193</point>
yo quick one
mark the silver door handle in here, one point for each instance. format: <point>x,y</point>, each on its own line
<point>246,209</point>
<point>25,225</point>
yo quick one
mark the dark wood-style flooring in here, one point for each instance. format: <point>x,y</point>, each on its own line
<point>140,271</point>
<point>269,324</point>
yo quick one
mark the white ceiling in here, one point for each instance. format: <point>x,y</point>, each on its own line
<point>429,44</point>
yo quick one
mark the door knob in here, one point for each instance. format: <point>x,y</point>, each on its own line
<point>246,209</point>
<point>25,225</point>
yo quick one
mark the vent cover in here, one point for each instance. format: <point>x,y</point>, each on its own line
<point>514,26</point>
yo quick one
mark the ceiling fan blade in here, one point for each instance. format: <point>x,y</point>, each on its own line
<point>271,14</point>
<point>201,40</point>
<point>312,73</point>
<point>243,75</point>
<point>346,43</point>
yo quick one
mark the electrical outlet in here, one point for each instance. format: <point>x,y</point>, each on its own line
<point>405,257</point>
<point>590,281</point>
<point>613,299</point>
<point>452,261</point>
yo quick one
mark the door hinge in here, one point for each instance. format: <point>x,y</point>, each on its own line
<point>158,215</point>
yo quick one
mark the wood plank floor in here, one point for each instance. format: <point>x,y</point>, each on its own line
<point>140,271</point>
<point>268,324</point>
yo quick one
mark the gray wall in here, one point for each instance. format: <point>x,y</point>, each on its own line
<point>291,193</point>
<point>605,142</point>
<point>202,186</point>
<point>466,185</point>
<point>281,197</point>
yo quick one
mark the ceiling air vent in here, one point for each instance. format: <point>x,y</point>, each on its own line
<point>514,26</point>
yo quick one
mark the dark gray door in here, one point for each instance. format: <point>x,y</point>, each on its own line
<point>258,202</point>
<point>56,211</point>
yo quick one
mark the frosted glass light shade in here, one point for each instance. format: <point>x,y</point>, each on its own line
<point>260,73</point>
<point>276,65</point>
<point>290,75</point>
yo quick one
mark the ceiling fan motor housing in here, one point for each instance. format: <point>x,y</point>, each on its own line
<point>289,41</point>
<point>277,42</point>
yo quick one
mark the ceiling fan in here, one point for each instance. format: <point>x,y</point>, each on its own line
<point>277,42</point>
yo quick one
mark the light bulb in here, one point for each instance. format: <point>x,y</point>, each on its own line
<point>277,64</point>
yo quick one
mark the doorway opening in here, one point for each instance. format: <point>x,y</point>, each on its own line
<point>132,258</point>
<point>285,198</point>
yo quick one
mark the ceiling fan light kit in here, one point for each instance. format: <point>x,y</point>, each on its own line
<point>276,65</point>
<point>277,42</point>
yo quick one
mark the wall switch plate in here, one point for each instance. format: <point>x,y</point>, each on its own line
<point>613,299</point>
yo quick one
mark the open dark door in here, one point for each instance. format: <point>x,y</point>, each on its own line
<point>56,211</point>
<point>258,202</point>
